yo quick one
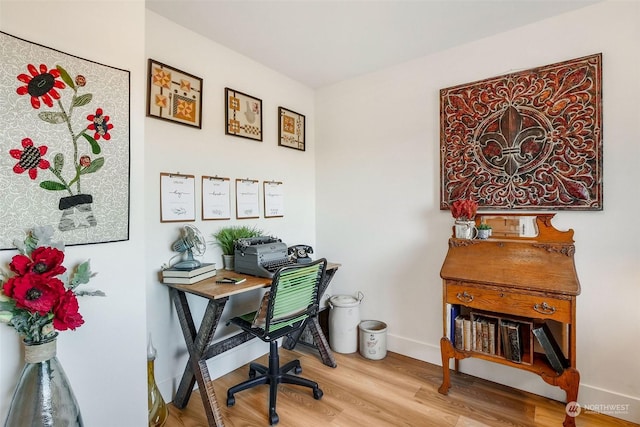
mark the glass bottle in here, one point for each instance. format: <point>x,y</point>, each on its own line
<point>158,410</point>
<point>43,396</point>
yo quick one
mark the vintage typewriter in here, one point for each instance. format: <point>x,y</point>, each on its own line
<point>261,256</point>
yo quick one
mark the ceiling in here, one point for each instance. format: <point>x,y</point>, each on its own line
<point>321,42</point>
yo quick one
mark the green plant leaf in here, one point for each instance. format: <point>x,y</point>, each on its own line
<point>95,166</point>
<point>82,100</point>
<point>52,185</point>
<point>53,117</point>
<point>81,274</point>
<point>95,147</point>
<point>58,162</point>
<point>66,77</point>
<point>96,293</point>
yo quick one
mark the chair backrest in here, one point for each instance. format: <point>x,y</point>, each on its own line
<point>294,296</point>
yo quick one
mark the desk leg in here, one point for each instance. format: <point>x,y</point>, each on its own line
<point>319,339</point>
<point>196,369</point>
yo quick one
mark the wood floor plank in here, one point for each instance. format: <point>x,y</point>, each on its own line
<point>396,391</point>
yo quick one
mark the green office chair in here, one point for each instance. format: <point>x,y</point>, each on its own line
<point>291,301</point>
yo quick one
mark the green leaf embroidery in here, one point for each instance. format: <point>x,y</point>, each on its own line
<point>95,147</point>
<point>52,117</point>
<point>95,165</point>
<point>82,100</point>
<point>65,77</point>
<point>58,162</point>
<point>52,185</point>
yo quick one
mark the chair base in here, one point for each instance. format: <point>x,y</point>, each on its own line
<point>273,375</point>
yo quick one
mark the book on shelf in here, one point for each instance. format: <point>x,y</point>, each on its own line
<point>181,272</point>
<point>231,280</point>
<point>189,280</point>
<point>466,334</point>
<point>485,332</point>
<point>551,348</point>
<point>511,341</point>
<point>453,314</point>
<point>458,339</point>
<point>492,337</point>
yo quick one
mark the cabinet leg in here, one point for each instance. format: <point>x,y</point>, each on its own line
<point>569,381</point>
<point>447,351</point>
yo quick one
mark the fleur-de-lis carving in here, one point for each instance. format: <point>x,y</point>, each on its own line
<point>514,144</point>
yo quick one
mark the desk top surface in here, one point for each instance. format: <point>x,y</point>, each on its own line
<point>209,289</point>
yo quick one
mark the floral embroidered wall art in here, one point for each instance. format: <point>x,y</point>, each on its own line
<point>64,157</point>
<point>527,140</point>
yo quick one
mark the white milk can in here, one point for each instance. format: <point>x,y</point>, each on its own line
<point>344,318</point>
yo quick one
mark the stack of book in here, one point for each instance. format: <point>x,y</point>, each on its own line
<point>188,277</point>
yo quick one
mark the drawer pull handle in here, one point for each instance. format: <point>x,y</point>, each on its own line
<point>464,297</point>
<point>544,308</point>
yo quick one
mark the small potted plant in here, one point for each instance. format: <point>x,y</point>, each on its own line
<point>226,238</point>
<point>484,231</point>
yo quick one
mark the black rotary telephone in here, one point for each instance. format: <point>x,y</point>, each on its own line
<point>300,253</point>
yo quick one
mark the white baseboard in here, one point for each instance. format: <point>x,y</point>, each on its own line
<point>591,398</point>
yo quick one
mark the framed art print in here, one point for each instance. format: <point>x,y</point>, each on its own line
<point>243,115</point>
<point>291,129</point>
<point>65,137</point>
<point>527,140</point>
<point>174,95</point>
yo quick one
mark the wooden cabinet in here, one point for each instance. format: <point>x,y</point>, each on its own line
<point>531,280</point>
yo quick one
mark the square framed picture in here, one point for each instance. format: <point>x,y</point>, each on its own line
<point>174,95</point>
<point>291,129</point>
<point>243,115</point>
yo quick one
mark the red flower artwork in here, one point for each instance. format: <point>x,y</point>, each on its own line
<point>71,164</point>
<point>30,158</point>
<point>100,125</point>
<point>40,84</point>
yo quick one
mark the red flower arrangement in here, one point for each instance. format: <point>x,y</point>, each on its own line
<point>464,209</point>
<point>41,297</point>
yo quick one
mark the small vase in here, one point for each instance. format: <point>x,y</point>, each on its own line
<point>227,262</point>
<point>158,411</point>
<point>465,229</point>
<point>43,396</point>
<point>76,212</point>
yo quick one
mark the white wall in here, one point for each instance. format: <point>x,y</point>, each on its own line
<point>371,180</point>
<point>105,359</point>
<point>378,202</point>
<point>208,151</point>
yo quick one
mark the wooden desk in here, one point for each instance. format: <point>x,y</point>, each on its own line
<point>531,280</point>
<point>200,346</point>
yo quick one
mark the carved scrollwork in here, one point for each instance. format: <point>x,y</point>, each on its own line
<point>568,250</point>
<point>457,243</point>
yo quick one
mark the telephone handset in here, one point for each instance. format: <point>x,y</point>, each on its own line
<point>300,253</point>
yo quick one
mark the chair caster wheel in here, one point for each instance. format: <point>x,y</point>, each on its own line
<point>231,401</point>
<point>297,370</point>
<point>317,394</point>
<point>274,419</point>
<point>252,373</point>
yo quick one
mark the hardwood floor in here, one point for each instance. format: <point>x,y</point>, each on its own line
<point>395,391</point>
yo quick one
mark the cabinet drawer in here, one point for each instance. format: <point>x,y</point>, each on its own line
<point>510,302</point>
